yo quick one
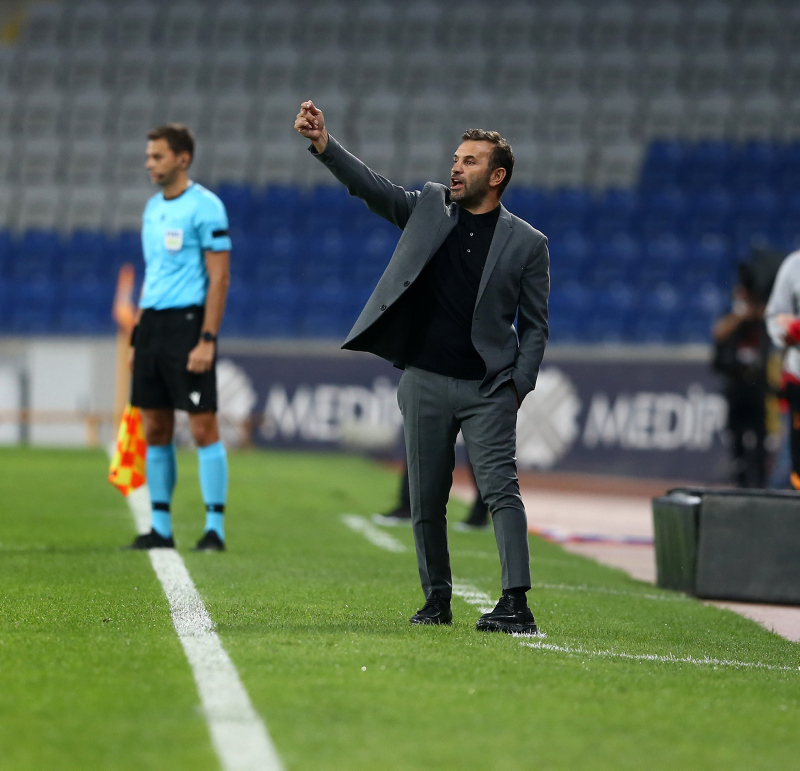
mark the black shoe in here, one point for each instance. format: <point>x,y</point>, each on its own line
<point>210,542</point>
<point>511,615</point>
<point>151,540</point>
<point>399,516</point>
<point>478,518</point>
<point>435,611</point>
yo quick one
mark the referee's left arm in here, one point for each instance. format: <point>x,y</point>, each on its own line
<point>218,265</point>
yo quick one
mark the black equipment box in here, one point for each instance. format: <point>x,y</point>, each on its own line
<point>729,544</point>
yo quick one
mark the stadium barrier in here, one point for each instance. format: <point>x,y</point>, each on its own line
<point>729,544</point>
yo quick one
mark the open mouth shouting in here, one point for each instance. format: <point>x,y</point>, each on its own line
<point>456,184</point>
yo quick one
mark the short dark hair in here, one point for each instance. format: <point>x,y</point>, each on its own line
<point>179,138</point>
<point>502,156</point>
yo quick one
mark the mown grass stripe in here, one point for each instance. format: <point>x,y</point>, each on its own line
<point>238,734</point>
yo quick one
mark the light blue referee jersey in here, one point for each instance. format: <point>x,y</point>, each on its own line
<point>176,233</point>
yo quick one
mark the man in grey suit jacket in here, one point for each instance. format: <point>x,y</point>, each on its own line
<point>464,272</point>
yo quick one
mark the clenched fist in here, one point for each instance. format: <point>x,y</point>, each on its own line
<point>310,122</point>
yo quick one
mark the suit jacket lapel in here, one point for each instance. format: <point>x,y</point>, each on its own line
<point>501,235</point>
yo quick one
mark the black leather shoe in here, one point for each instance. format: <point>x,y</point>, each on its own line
<point>210,542</point>
<point>151,540</point>
<point>511,615</point>
<point>435,611</point>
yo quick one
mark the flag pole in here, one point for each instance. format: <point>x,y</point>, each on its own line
<point>124,314</point>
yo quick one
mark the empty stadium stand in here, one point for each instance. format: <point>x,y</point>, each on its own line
<point>656,145</point>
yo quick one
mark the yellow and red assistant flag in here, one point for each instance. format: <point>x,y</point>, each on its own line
<point>127,471</point>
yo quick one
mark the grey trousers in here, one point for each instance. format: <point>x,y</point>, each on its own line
<point>434,408</point>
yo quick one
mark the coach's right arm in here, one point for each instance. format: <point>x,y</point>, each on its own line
<point>390,201</point>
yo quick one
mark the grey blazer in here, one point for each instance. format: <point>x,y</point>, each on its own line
<point>515,281</point>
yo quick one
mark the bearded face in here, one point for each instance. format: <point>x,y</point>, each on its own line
<point>471,173</point>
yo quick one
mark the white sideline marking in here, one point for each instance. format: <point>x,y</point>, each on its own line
<point>374,535</point>
<point>615,592</point>
<point>668,659</point>
<point>470,594</point>
<point>237,732</point>
<point>481,600</point>
<point>473,596</point>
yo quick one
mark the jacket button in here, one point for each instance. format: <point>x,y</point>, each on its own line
<point>383,307</point>
<point>406,283</point>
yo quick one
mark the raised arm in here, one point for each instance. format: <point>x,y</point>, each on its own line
<point>390,201</point>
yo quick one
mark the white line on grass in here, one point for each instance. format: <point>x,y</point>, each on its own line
<point>374,535</point>
<point>614,592</point>
<point>237,732</point>
<point>467,592</point>
<point>483,601</point>
<point>668,659</point>
<point>473,596</point>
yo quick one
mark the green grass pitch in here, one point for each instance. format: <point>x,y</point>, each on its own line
<point>92,674</point>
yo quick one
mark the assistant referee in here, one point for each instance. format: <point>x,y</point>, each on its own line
<point>187,272</point>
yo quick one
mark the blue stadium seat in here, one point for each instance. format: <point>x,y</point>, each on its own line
<point>127,248</point>
<point>614,260</point>
<point>279,207</point>
<point>326,312</point>
<point>758,163</point>
<point>239,312</point>
<point>372,252</point>
<point>87,257</point>
<point>274,257</point>
<point>528,203</point>
<point>37,256</point>
<point>663,211</point>
<point>707,164</point>
<point>327,211</point>
<point>664,262</point>
<point>568,305</point>
<point>788,176</point>
<point>708,260</point>
<point>276,311</point>
<point>695,328</point>
<point>322,258</point>
<point>609,314</point>
<point>568,258</point>
<point>663,164</point>
<point>707,300</point>
<point>240,205</point>
<point>567,211</point>
<point>616,212</point>
<point>756,215</point>
<point>7,301</point>
<point>788,229</point>
<point>33,306</point>
<point>86,308</point>
<point>710,212</point>
<point>6,253</point>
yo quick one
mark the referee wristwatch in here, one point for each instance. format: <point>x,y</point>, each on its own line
<point>208,337</point>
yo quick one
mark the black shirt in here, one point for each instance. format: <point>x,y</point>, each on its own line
<point>443,300</point>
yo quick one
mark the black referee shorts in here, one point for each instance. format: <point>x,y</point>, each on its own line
<point>160,378</point>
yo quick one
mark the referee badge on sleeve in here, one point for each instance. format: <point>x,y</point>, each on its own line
<point>173,239</point>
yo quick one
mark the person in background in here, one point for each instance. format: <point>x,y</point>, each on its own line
<point>783,325</point>
<point>174,345</point>
<point>477,519</point>
<point>741,356</point>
